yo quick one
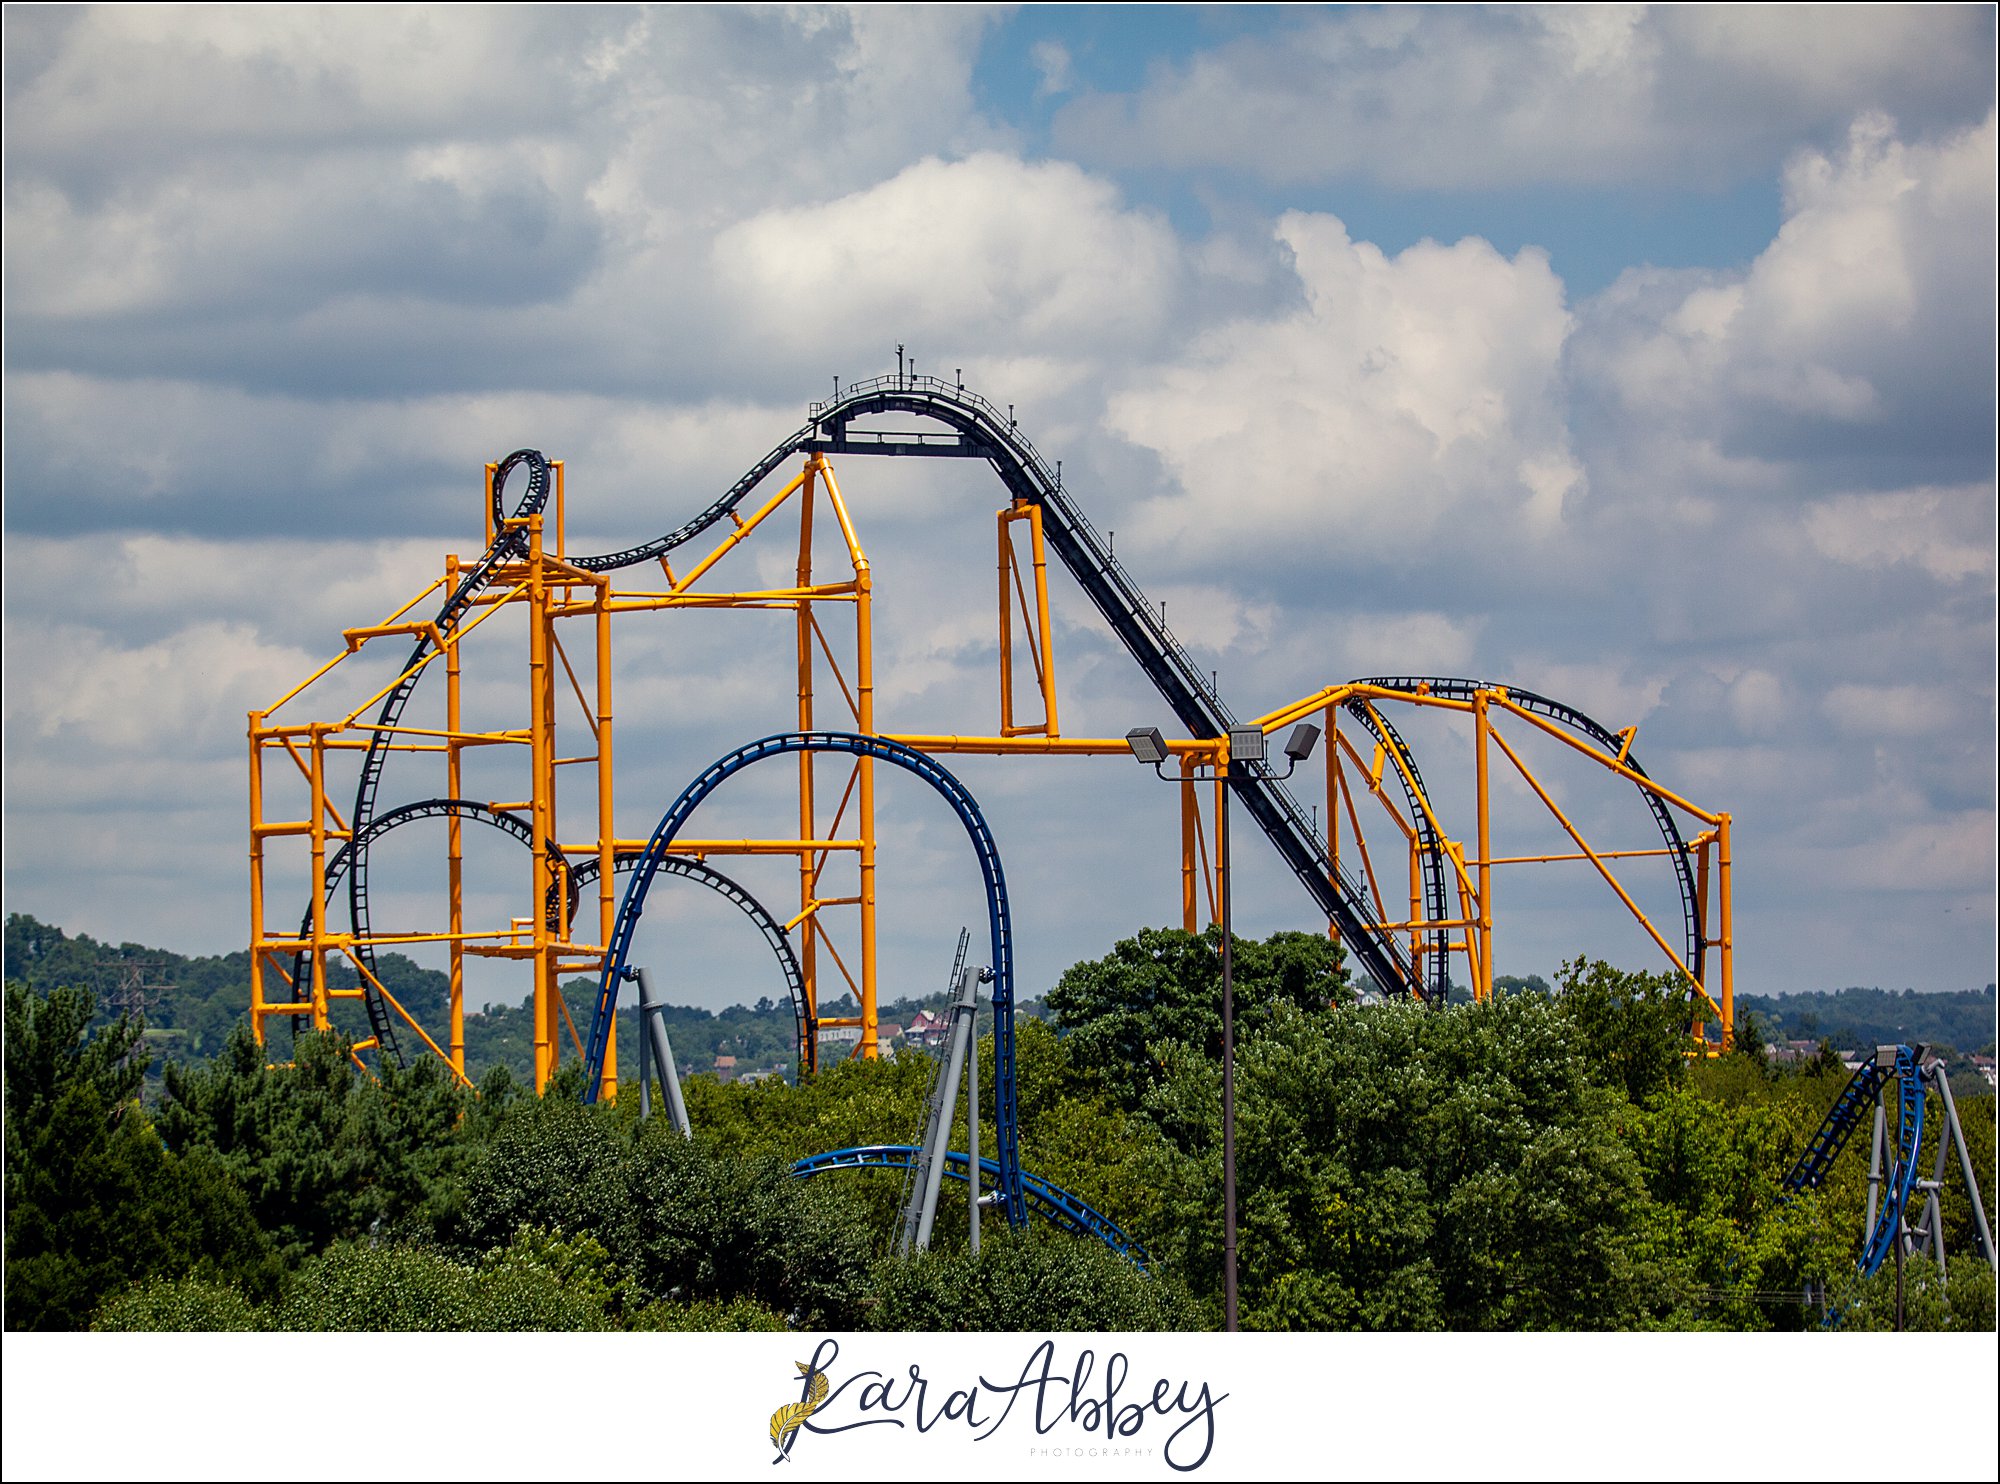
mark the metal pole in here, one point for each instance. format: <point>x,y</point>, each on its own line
<point>940,1131</point>
<point>1965,1168</point>
<point>972,1114</point>
<point>645,1072</point>
<point>1875,1171</point>
<point>1228,1062</point>
<point>663,1053</point>
<point>1899,1272</point>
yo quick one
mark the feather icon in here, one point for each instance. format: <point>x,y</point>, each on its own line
<point>786,1421</point>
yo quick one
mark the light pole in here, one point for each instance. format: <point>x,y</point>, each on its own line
<point>1246,745</point>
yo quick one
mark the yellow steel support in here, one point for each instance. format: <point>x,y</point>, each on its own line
<point>1034,620</point>
<point>607,905</point>
<point>320,1021</point>
<point>257,999</point>
<point>1482,982</point>
<point>1726,945</point>
<point>549,590</point>
<point>542,807</point>
<point>454,828</point>
<point>807,921</point>
<point>1190,834</point>
<point>864,721</point>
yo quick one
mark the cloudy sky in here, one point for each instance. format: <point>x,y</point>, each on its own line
<point>1641,357</point>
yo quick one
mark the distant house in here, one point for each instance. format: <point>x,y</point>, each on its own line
<point>1984,1065</point>
<point>725,1069</point>
<point>927,1029</point>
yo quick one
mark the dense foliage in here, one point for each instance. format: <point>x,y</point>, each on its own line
<point>1551,1159</point>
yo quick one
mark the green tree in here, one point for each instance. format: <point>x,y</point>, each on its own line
<point>400,1288</point>
<point>704,1226</point>
<point>1032,1280</point>
<point>325,1153</point>
<point>1164,984</point>
<point>1635,1026</point>
<point>94,1201</point>
<point>179,1305</point>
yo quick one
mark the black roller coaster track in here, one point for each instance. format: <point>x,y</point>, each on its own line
<point>1453,688</point>
<point>701,872</point>
<point>355,853</point>
<point>1430,845</point>
<point>978,430</point>
<point>568,887</point>
<point>510,542</point>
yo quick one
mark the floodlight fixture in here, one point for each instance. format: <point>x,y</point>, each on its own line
<point>1246,745</point>
<point>1299,746</point>
<point>1147,745</point>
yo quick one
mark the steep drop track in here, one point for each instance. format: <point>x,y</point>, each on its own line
<point>975,428</point>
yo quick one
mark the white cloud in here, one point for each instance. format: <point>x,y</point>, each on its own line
<point>983,251</point>
<point>183,695</point>
<point>1881,712</point>
<point>1947,532</point>
<point>1475,98</point>
<point>1052,64</point>
<point>1406,392</point>
<point>1872,308</point>
<point>278,283</point>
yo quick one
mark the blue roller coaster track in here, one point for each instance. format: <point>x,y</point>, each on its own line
<point>976,428</point>
<point>979,430</point>
<point>1898,1075</point>
<point>633,904</point>
<point>1051,1203</point>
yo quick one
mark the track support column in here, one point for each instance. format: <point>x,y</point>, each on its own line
<point>257,1000</point>
<point>454,831</point>
<point>808,825</point>
<point>1190,824</point>
<point>1727,944</point>
<point>317,777</point>
<point>1482,987</point>
<point>541,753</point>
<point>607,836</point>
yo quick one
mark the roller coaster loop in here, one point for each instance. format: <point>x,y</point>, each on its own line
<point>510,540</point>
<point>1901,1074</point>
<point>353,856</point>
<point>1051,1203</point>
<point>1452,688</point>
<point>706,875</point>
<point>630,907</point>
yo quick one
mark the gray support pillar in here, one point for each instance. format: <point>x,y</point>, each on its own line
<point>663,1053</point>
<point>645,1072</point>
<point>1965,1169</point>
<point>1875,1171</point>
<point>972,1115</point>
<point>940,1132</point>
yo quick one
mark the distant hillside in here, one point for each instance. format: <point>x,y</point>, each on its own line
<point>1956,1020</point>
<point>190,1005</point>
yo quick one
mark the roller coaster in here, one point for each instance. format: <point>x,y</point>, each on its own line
<point>1405,911</point>
<point>1902,1077</point>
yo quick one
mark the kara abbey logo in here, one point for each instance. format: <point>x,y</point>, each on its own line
<point>1177,1416</point>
